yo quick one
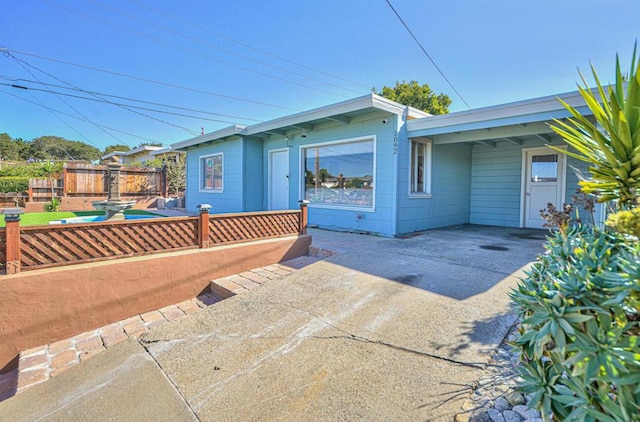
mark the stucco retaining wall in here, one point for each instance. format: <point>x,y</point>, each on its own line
<point>43,306</point>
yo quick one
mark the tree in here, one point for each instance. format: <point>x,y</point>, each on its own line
<point>9,149</point>
<point>116,147</point>
<point>415,95</point>
<point>58,148</point>
<point>176,176</point>
<point>51,169</point>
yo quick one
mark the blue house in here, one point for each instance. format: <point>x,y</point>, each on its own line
<point>372,165</point>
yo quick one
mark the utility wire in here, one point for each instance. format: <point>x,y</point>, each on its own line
<point>138,78</point>
<point>24,63</point>
<point>58,117</point>
<point>126,106</point>
<point>245,45</point>
<point>127,99</point>
<point>211,45</point>
<point>188,50</point>
<point>76,117</point>
<point>427,54</point>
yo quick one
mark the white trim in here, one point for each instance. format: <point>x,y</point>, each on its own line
<point>348,106</point>
<point>502,111</point>
<point>200,188</point>
<point>209,137</point>
<point>365,102</point>
<point>427,170</point>
<point>562,173</point>
<point>270,175</point>
<point>301,184</point>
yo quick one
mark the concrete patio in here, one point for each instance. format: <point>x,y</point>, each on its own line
<point>386,329</point>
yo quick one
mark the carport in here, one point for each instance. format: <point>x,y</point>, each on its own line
<point>513,172</point>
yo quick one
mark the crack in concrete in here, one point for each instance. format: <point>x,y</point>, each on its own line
<point>352,336</point>
<point>168,378</point>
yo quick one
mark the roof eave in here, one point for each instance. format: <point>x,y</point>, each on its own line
<point>209,137</point>
<point>539,109</point>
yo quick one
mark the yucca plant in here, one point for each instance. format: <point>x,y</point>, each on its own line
<point>611,143</point>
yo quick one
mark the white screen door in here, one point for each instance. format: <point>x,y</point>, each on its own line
<point>544,183</point>
<point>279,179</point>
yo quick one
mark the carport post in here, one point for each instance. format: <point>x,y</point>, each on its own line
<point>203,226</point>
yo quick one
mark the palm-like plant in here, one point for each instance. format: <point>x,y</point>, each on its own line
<point>611,143</point>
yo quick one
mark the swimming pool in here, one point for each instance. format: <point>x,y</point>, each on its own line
<point>97,218</point>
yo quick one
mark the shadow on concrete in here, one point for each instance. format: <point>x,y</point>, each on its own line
<point>457,262</point>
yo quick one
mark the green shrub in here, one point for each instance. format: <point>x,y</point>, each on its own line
<point>53,206</point>
<point>22,170</point>
<point>580,326</point>
<point>14,184</point>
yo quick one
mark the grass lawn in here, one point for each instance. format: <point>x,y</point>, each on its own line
<point>39,218</point>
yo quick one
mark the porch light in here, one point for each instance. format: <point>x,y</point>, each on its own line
<point>12,214</point>
<point>204,208</point>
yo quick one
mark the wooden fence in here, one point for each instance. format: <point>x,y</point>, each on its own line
<point>33,247</point>
<point>88,180</point>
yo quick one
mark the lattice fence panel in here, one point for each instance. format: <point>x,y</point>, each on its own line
<point>47,246</point>
<point>3,249</point>
<point>234,228</point>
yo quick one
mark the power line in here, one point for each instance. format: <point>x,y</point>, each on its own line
<point>22,63</point>
<point>126,106</point>
<point>129,99</point>
<point>427,54</point>
<point>250,47</point>
<point>152,81</point>
<point>143,35</point>
<point>68,105</point>
<point>76,117</point>
<point>235,53</point>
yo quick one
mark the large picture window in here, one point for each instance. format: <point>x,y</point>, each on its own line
<point>340,174</point>
<point>211,173</point>
<point>420,168</point>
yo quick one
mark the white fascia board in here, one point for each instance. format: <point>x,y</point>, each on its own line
<point>511,111</point>
<point>344,107</point>
<point>208,137</point>
<point>167,150</point>
<point>113,153</point>
<point>143,148</point>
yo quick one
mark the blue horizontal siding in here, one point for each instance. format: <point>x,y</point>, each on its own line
<point>230,200</point>
<point>450,188</point>
<point>496,182</point>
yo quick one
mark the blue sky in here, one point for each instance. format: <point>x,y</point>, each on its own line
<point>492,51</point>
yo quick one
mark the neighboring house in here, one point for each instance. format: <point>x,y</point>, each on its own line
<point>143,154</point>
<point>373,165</point>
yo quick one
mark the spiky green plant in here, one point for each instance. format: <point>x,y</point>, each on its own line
<point>611,143</point>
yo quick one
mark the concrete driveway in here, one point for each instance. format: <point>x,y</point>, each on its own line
<point>391,329</point>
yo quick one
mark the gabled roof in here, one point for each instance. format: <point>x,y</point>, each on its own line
<point>340,112</point>
<point>133,151</point>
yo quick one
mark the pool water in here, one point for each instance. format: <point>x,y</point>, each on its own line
<point>97,218</point>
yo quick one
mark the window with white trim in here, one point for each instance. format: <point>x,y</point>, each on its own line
<point>339,174</point>
<point>211,173</point>
<point>420,167</point>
